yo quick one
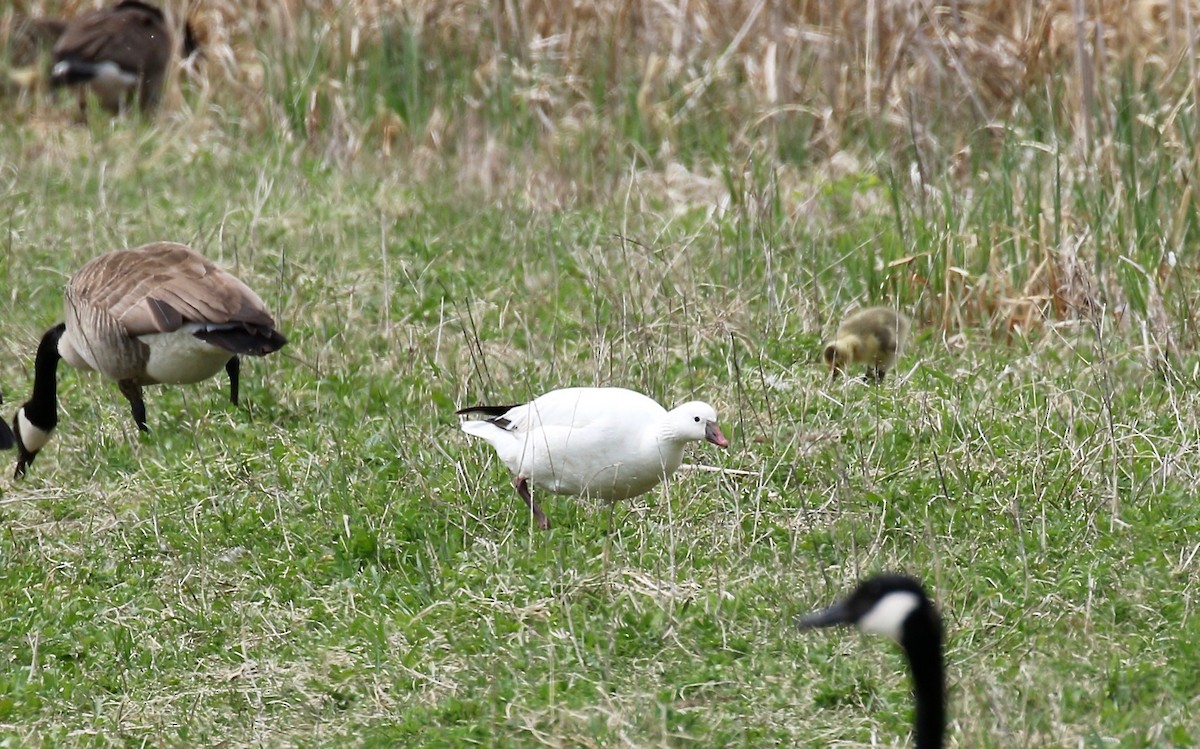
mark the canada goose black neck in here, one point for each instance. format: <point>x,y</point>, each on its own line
<point>922,644</point>
<point>7,438</point>
<point>41,410</point>
<point>42,406</point>
<point>897,606</point>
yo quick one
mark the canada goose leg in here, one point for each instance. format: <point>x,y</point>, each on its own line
<point>133,393</point>
<point>521,484</point>
<point>874,375</point>
<point>234,368</point>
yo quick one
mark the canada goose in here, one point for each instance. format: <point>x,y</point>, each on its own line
<point>159,313</point>
<point>7,439</point>
<point>117,52</point>
<point>897,606</point>
<point>608,443</point>
<point>873,337</point>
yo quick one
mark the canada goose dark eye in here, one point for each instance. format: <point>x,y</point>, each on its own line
<point>696,419</point>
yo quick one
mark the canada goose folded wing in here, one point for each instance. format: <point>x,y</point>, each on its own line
<point>131,35</point>
<point>160,287</point>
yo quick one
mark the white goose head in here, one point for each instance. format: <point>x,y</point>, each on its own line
<point>695,421</point>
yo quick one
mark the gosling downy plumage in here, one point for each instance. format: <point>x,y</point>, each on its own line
<point>873,337</point>
<point>608,443</point>
<point>897,606</point>
<point>159,313</point>
<point>120,54</point>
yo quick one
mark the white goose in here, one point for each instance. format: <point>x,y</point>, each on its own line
<point>608,443</point>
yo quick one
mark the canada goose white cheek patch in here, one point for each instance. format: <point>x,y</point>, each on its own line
<point>32,437</point>
<point>887,616</point>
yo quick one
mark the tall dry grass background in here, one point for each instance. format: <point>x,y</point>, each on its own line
<point>755,106</point>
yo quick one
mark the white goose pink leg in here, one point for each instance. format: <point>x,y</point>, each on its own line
<point>521,484</point>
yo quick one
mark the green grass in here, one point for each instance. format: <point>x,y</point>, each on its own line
<point>333,562</point>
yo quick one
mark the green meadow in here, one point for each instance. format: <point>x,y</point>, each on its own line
<point>333,563</point>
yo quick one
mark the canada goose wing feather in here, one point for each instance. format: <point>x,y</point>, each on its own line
<point>159,287</point>
<point>131,34</point>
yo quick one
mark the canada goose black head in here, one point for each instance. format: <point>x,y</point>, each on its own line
<point>157,314</point>
<point>897,606</point>
<point>120,54</point>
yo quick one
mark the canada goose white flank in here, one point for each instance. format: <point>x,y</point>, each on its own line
<point>117,53</point>
<point>607,443</point>
<point>873,337</point>
<point>157,314</point>
<point>897,606</point>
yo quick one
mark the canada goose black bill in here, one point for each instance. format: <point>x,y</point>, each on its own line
<point>116,53</point>
<point>897,606</point>
<point>157,314</point>
<point>872,337</point>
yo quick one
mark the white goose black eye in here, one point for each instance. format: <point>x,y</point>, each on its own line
<point>696,419</point>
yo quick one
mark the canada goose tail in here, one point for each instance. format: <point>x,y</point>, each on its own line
<point>246,338</point>
<point>72,73</point>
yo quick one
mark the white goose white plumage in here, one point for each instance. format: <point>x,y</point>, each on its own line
<point>607,443</point>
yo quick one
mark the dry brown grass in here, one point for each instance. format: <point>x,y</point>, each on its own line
<point>906,66</point>
<point>616,95</point>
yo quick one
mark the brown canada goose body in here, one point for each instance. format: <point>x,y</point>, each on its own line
<point>115,53</point>
<point>159,313</point>
<point>872,337</point>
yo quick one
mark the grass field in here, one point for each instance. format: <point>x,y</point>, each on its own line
<point>333,563</point>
